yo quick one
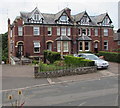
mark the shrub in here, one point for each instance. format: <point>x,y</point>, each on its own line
<point>35,62</point>
<point>59,63</point>
<point>52,56</point>
<point>78,61</point>
<point>111,56</point>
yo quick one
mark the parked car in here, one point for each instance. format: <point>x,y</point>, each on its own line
<point>100,63</point>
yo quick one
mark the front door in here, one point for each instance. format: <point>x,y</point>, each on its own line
<point>20,49</point>
<point>96,47</point>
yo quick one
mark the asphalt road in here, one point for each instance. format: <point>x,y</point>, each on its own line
<point>97,92</point>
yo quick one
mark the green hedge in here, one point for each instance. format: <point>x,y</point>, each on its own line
<point>110,56</point>
<point>78,61</point>
<point>52,56</point>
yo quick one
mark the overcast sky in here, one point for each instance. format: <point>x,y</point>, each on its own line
<point>12,8</point>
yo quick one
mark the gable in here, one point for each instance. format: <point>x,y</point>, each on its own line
<point>63,18</point>
<point>106,21</point>
<point>84,20</point>
<point>36,16</point>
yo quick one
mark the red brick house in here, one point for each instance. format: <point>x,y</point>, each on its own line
<point>32,32</point>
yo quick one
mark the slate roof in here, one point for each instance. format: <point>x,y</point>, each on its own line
<point>63,38</point>
<point>78,16</point>
<point>51,18</point>
<point>84,38</point>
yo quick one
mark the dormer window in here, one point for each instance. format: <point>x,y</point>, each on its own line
<point>85,20</point>
<point>106,21</point>
<point>63,18</point>
<point>36,17</point>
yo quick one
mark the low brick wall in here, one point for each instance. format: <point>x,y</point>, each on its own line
<point>65,72</point>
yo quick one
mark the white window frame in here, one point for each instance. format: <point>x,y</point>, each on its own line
<point>58,46</point>
<point>106,32</point>
<point>69,31</point>
<point>79,31</point>
<point>63,31</point>
<point>85,20</point>
<point>96,32</point>
<point>89,30</point>
<point>58,31</point>
<point>20,31</point>
<point>65,46</point>
<point>11,35</point>
<point>85,31</point>
<point>106,45</point>
<point>65,18</point>
<point>49,30</point>
<point>36,46</point>
<point>118,42</point>
<point>36,17</point>
<point>81,46</point>
<point>36,29</point>
<point>88,46</point>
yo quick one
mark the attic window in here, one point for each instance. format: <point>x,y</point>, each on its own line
<point>63,18</point>
<point>85,20</point>
<point>106,21</point>
<point>36,16</point>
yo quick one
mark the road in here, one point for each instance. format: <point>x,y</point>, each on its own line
<point>96,89</point>
<point>97,92</point>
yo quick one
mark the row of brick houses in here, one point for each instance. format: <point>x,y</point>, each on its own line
<point>32,32</point>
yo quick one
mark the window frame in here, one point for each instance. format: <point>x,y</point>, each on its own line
<point>96,32</point>
<point>20,31</point>
<point>65,48</point>
<point>79,31</point>
<point>58,46</point>
<point>88,46</point>
<point>88,31</point>
<point>105,33</point>
<point>36,47</point>
<point>118,42</point>
<point>85,31</point>
<point>81,46</point>
<point>68,31</point>
<point>49,29</point>
<point>63,31</point>
<point>106,45</point>
<point>58,31</point>
<point>38,32</point>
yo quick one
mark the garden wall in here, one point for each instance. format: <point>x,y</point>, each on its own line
<point>65,72</point>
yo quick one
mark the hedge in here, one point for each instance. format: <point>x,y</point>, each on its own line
<point>110,56</point>
<point>52,56</point>
<point>78,61</point>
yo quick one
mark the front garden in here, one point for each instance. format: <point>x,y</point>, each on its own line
<point>54,66</point>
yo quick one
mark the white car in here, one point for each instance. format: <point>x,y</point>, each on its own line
<point>100,63</point>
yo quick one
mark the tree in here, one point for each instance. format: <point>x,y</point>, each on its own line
<point>4,46</point>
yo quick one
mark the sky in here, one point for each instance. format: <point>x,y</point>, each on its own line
<point>12,8</point>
